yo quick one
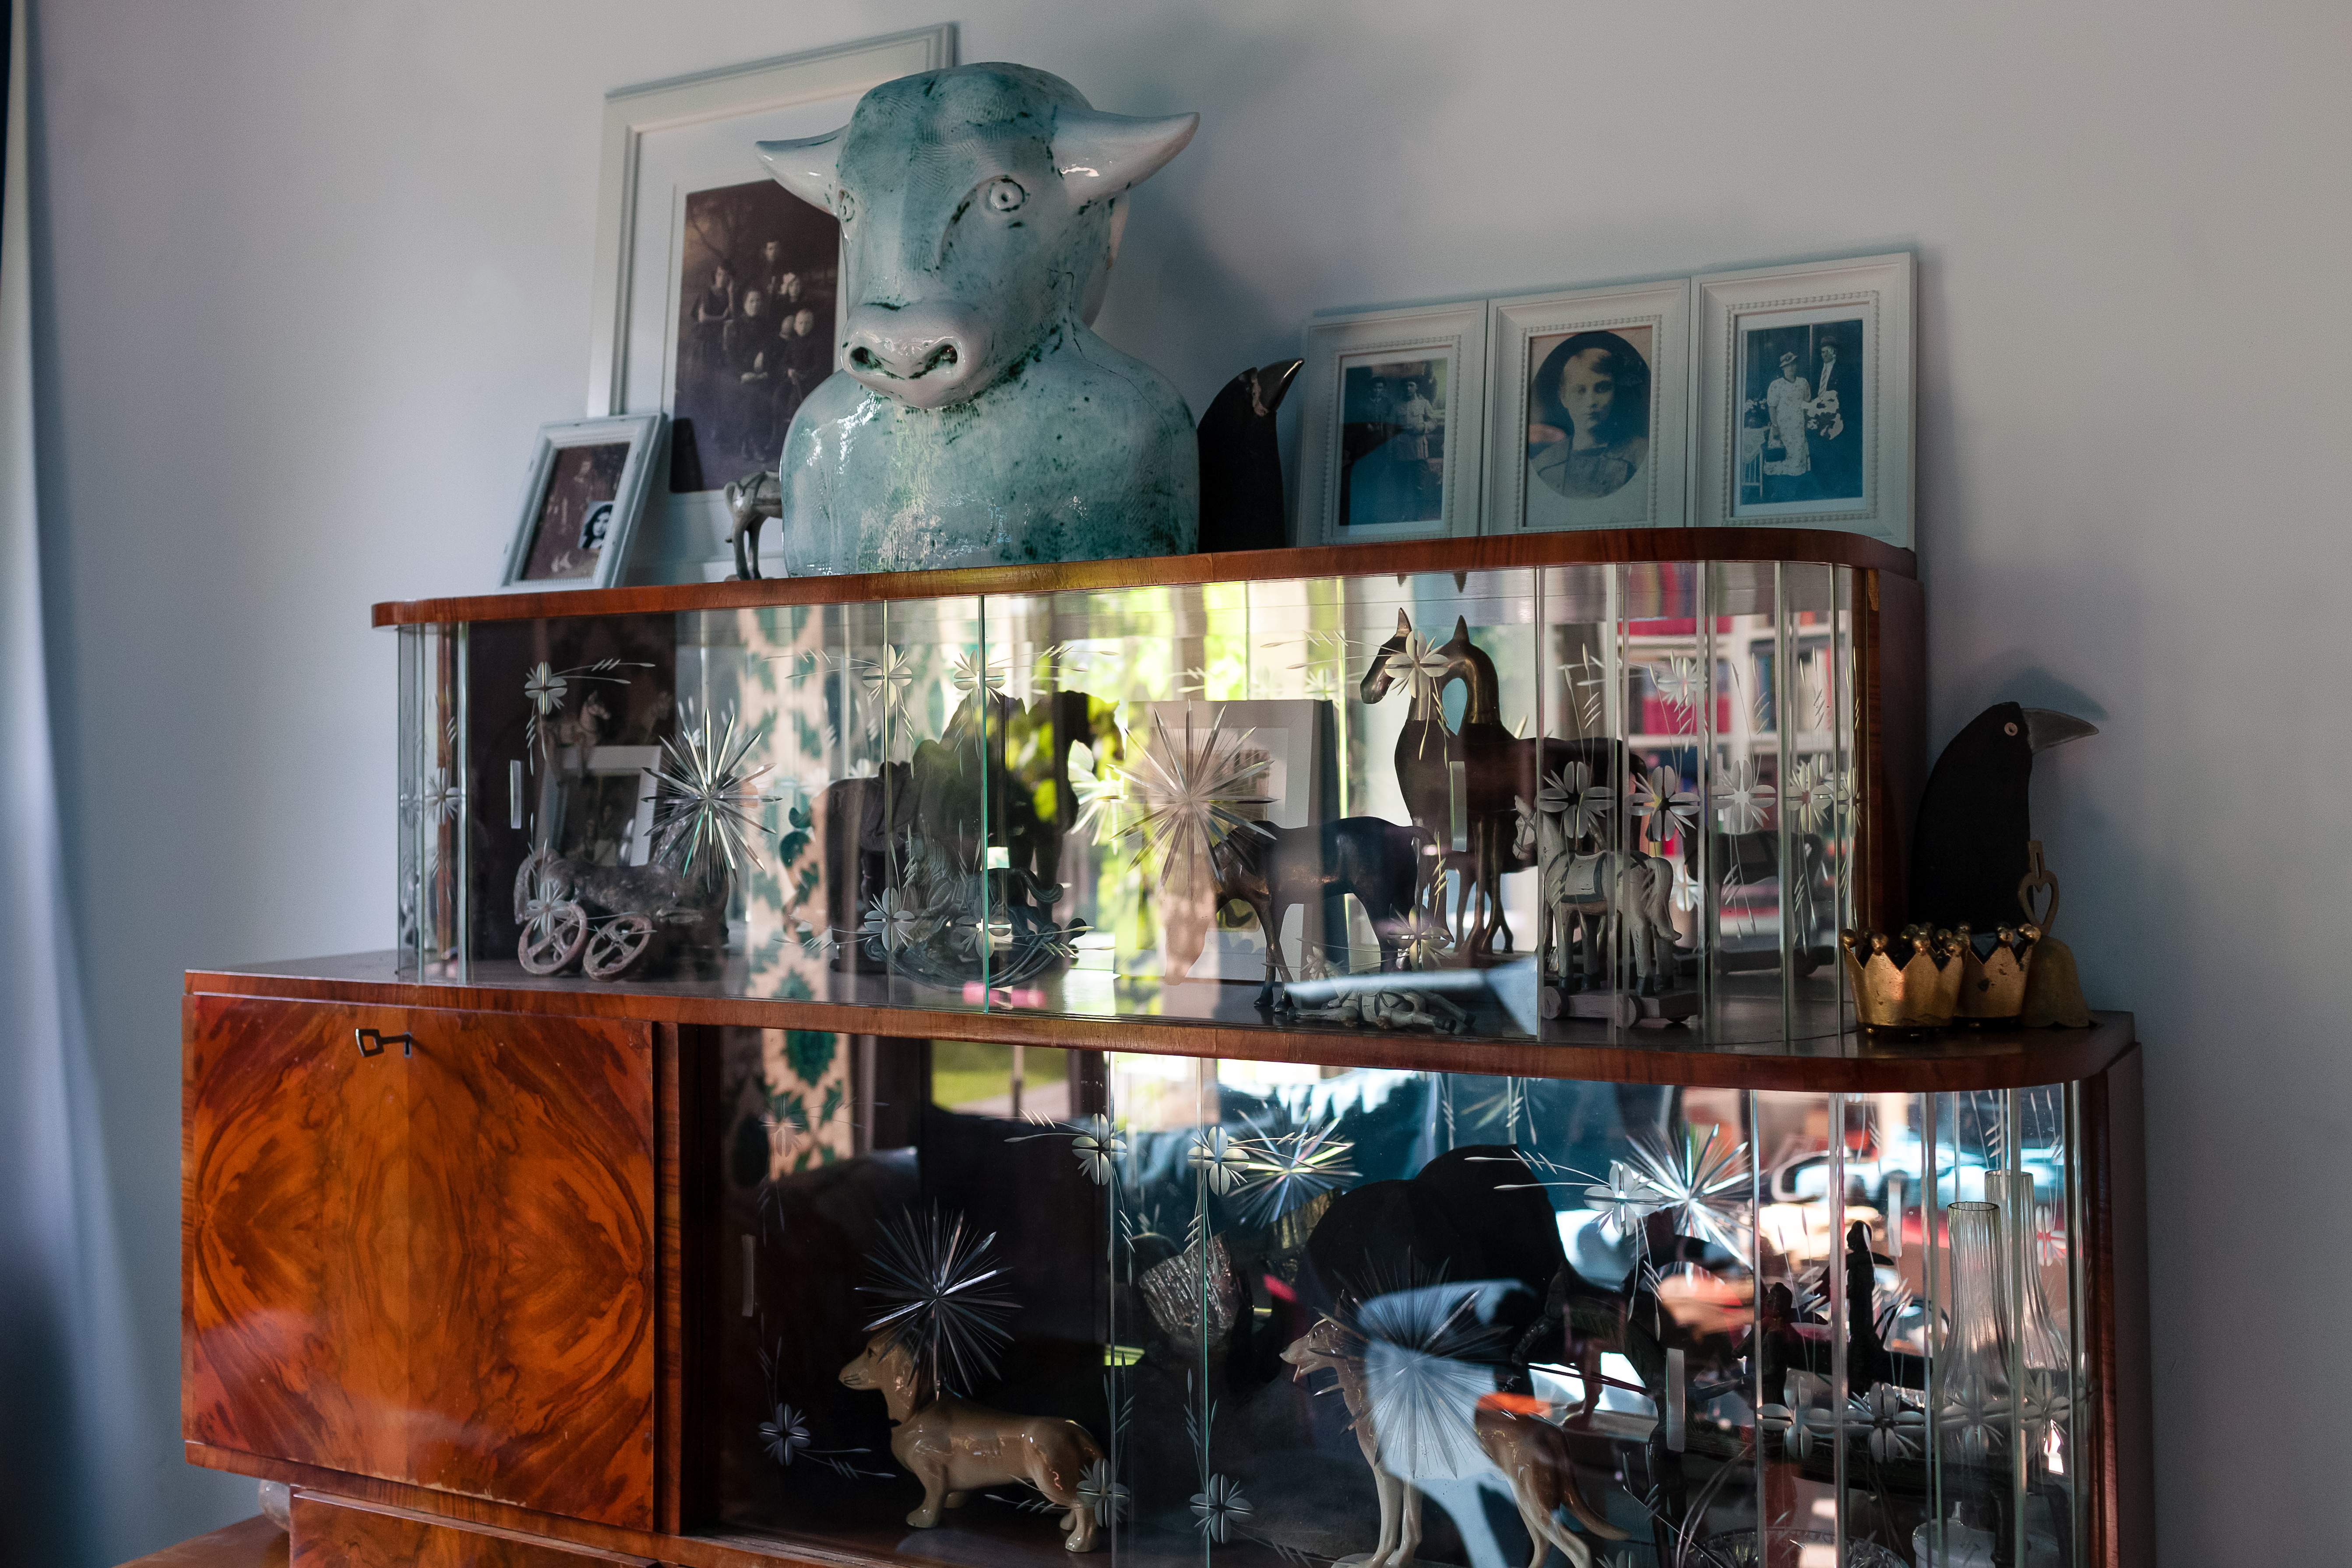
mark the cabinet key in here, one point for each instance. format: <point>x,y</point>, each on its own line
<point>372,1042</point>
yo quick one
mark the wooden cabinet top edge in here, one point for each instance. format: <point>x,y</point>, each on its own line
<point>1497,552</point>
<point>1949,1063</point>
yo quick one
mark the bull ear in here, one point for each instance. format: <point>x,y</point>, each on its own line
<point>1099,156</point>
<point>807,166</point>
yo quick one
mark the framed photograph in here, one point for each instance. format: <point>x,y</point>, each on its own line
<point>581,503</point>
<point>717,291</point>
<point>1591,408</point>
<point>1805,398</point>
<point>1395,424</point>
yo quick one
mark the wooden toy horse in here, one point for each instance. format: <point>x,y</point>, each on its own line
<point>1604,890</point>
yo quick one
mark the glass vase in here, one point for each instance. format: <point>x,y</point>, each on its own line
<point>1974,1416</point>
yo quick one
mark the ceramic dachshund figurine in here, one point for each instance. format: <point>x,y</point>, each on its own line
<point>955,1447</point>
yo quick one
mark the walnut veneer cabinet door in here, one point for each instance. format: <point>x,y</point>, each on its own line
<point>429,1258</point>
<point>329,1533</point>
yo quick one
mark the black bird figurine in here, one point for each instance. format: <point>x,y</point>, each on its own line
<point>1241,468</point>
<point>1970,853</point>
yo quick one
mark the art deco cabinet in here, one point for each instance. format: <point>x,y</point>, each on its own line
<point>1293,1057</point>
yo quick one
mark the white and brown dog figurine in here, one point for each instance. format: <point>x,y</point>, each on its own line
<point>1531,1453</point>
<point>955,1447</point>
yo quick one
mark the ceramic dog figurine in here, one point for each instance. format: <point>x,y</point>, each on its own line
<point>955,1447</point>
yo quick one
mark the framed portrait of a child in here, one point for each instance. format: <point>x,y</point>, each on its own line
<point>1591,408</point>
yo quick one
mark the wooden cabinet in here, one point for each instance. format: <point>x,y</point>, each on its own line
<point>418,1245</point>
<point>335,1532</point>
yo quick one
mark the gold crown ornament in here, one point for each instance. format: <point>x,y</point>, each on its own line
<point>1922,992</point>
<point>1992,988</point>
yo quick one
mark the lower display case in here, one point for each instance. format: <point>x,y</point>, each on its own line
<point>986,1304</point>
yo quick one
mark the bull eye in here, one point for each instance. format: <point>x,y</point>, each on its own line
<point>845,206</point>
<point>1005,195</point>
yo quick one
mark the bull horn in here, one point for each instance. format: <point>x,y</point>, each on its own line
<point>1099,156</point>
<point>806,166</point>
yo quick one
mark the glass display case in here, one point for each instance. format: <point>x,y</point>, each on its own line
<point>1481,799</point>
<point>1322,1056</point>
<point>1299,1313</point>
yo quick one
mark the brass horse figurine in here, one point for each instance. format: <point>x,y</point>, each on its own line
<point>1531,1453</point>
<point>955,1447</point>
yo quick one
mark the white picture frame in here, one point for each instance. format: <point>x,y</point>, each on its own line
<point>1770,324</point>
<point>686,134</point>
<point>1650,467</point>
<point>588,507</point>
<point>1354,481</point>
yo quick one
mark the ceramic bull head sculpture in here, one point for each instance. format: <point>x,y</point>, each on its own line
<point>977,419</point>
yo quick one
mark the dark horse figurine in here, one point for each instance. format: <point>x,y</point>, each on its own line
<point>1498,769</point>
<point>1374,859</point>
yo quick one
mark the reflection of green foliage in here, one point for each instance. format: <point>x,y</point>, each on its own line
<point>808,1052</point>
<point>807,736</point>
<point>796,989</point>
<point>832,1107</point>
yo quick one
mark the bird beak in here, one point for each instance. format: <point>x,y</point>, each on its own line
<point>2046,727</point>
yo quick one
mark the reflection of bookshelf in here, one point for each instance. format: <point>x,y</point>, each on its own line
<point>1747,696</point>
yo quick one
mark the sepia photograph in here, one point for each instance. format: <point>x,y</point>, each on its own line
<point>1392,442</point>
<point>1591,407</point>
<point>759,274</point>
<point>582,493</point>
<point>1589,428</point>
<point>576,512</point>
<point>1801,426</point>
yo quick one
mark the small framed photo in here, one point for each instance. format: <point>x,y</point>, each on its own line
<point>1395,417</point>
<point>1805,398</point>
<point>580,507</point>
<point>1591,408</point>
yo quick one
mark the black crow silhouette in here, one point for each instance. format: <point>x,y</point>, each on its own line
<point>1241,470</point>
<point>1970,850</point>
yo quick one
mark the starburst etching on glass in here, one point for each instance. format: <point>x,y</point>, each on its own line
<point>705,797</point>
<point>1186,798</point>
<point>1288,1169</point>
<point>1703,1182</point>
<point>941,1293</point>
<point>1582,805</point>
<point>1667,809</point>
<point>1430,1346</point>
<point>1742,802</point>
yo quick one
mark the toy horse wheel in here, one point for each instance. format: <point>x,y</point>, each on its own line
<point>1629,1012</point>
<point>552,936</point>
<point>617,945</point>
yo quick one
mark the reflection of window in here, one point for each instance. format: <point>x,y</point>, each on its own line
<point>999,1080</point>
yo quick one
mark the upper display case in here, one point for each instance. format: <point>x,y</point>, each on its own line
<point>1552,789</point>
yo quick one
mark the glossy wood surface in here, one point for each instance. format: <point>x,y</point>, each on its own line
<point>339,1532</point>
<point>1860,1065</point>
<point>1499,553</point>
<point>431,1264</point>
<point>255,1542</point>
<point>2121,1424</point>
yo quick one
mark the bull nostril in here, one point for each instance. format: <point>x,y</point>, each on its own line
<point>863,359</point>
<point>942,358</point>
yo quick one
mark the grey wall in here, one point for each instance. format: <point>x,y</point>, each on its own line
<point>315,273</point>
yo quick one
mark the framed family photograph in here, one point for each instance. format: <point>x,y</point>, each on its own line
<point>1394,438</point>
<point>1805,398</point>
<point>1591,408</point>
<point>581,502</point>
<point>717,291</point>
